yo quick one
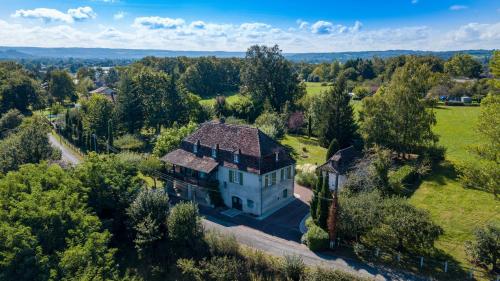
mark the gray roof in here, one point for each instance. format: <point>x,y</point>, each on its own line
<point>341,161</point>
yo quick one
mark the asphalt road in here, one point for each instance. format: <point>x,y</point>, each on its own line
<point>67,155</point>
<point>280,247</point>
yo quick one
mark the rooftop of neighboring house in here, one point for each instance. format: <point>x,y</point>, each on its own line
<point>103,90</point>
<point>341,161</point>
<point>255,151</point>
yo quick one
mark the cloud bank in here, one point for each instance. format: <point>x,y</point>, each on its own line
<point>179,34</point>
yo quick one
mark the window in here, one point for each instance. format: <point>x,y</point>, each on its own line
<point>285,193</point>
<point>273,178</point>
<point>236,177</point>
<point>236,158</point>
<point>249,203</point>
<point>214,152</point>
<point>266,180</point>
<point>195,148</point>
<point>282,174</point>
<point>288,172</point>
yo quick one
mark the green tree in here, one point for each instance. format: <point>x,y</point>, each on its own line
<point>185,228</point>
<point>97,114</point>
<point>266,74</point>
<point>485,173</point>
<point>151,166</point>
<point>129,108</point>
<point>84,85</point>
<point>396,117</point>
<point>272,124</point>
<point>324,201</point>
<point>112,185</point>
<point>29,145</point>
<point>338,118</point>
<point>148,216</point>
<point>19,91</point>
<point>332,149</point>
<point>463,65</point>
<point>485,248</point>
<point>9,121</point>
<point>170,138</point>
<point>49,231</point>
<point>61,86</point>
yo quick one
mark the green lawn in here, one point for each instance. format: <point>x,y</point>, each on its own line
<point>305,150</point>
<point>456,209</point>
<point>230,98</point>
<point>313,88</point>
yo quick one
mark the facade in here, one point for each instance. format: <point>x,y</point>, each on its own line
<point>253,173</point>
<point>337,167</point>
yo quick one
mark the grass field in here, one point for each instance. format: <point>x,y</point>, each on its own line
<point>305,150</point>
<point>230,98</point>
<point>315,88</point>
<point>456,209</point>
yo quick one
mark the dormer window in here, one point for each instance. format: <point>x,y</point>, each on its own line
<point>276,156</point>
<point>196,147</point>
<point>236,158</point>
<point>214,152</point>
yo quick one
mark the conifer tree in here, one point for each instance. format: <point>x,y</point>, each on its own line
<point>324,202</point>
<point>338,122</point>
<point>332,148</point>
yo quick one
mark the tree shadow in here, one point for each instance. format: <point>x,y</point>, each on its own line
<point>440,174</point>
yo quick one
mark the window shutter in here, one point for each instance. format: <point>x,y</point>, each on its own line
<point>241,178</point>
<point>231,177</point>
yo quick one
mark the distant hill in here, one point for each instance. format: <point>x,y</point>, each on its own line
<point>105,53</point>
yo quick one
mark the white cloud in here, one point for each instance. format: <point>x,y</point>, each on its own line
<point>177,34</point>
<point>53,15</point>
<point>82,13</point>
<point>302,24</point>
<point>120,15</point>
<point>458,7</point>
<point>158,22</point>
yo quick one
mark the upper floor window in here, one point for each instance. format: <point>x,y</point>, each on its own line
<point>289,172</point>
<point>236,177</point>
<point>195,148</point>
<point>214,152</point>
<point>282,174</point>
<point>236,158</point>
<point>273,178</point>
<point>266,180</point>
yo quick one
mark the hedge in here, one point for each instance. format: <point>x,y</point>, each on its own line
<point>317,238</point>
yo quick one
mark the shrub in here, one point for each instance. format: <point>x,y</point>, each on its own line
<point>128,142</point>
<point>317,238</point>
<point>184,228</point>
<point>221,244</point>
<point>9,121</point>
<point>322,274</point>
<point>293,268</point>
<point>306,179</point>
<point>404,175</point>
<point>189,270</point>
<point>225,269</point>
<point>485,249</point>
<point>272,123</point>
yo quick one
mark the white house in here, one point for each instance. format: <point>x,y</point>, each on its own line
<point>253,173</point>
<point>337,167</point>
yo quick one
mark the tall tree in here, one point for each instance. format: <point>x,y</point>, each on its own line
<point>19,91</point>
<point>266,74</point>
<point>463,65</point>
<point>338,120</point>
<point>485,172</point>
<point>129,109</point>
<point>61,86</point>
<point>324,202</point>
<point>98,112</point>
<point>396,117</point>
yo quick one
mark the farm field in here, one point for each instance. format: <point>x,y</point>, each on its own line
<point>456,209</point>
<point>230,98</point>
<point>313,88</point>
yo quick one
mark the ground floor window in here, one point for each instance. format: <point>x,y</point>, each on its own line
<point>285,193</point>
<point>250,203</point>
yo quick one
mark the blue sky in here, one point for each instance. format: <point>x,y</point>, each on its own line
<point>297,26</point>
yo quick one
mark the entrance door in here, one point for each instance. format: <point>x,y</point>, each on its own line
<point>237,204</point>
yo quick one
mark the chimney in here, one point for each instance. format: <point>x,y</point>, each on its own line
<point>276,155</point>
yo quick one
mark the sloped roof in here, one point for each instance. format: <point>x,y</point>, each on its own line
<point>340,161</point>
<point>189,160</point>
<point>257,151</point>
